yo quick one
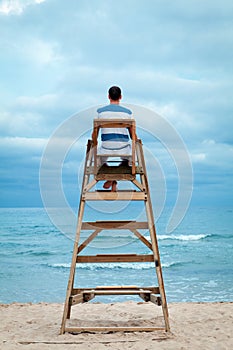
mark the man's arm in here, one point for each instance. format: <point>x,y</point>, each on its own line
<point>131,133</point>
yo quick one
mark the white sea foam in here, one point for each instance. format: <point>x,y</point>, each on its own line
<point>182,237</point>
<point>160,237</point>
<point>111,266</point>
<point>60,265</point>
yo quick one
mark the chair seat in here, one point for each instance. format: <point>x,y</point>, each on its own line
<point>109,169</point>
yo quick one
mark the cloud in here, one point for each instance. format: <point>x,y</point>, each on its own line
<point>198,157</point>
<point>34,51</point>
<point>40,52</point>
<point>16,7</point>
<point>35,102</point>
<point>58,58</point>
<point>22,124</point>
<point>219,156</point>
<point>22,143</point>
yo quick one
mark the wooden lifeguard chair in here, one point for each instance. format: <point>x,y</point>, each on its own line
<point>136,173</point>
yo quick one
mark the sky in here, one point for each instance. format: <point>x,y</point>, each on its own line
<point>58,58</point>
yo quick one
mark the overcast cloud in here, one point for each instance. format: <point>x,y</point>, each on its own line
<point>58,58</point>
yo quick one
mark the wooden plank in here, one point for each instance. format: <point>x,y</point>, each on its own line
<point>117,177</point>
<point>116,287</point>
<point>112,196</point>
<point>67,306</point>
<point>88,296</point>
<point>114,170</point>
<point>114,155</point>
<point>150,217</point>
<point>133,137</point>
<point>145,296</point>
<point>139,185</point>
<point>119,225</point>
<point>112,329</point>
<point>117,292</point>
<point>77,299</point>
<point>143,239</point>
<point>89,156</point>
<point>155,299</point>
<point>114,258</point>
<point>88,240</point>
<point>113,123</point>
<point>154,290</point>
<point>89,185</point>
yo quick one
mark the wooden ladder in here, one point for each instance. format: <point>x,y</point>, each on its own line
<point>136,173</point>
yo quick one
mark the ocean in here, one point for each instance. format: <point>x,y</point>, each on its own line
<point>196,258</point>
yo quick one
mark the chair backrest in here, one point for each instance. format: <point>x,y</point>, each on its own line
<point>114,123</point>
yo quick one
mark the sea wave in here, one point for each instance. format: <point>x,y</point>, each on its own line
<point>113,266</point>
<point>160,237</point>
<point>183,237</point>
<point>36,253</point>
<point>62,266</point>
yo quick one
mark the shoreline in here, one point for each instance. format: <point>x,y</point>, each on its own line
<point>194,325</point>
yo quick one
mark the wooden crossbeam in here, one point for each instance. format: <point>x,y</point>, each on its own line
<point>113,155</point>
<point>144,296</point>
<point>112,196</point>
<point>117,287</point>
<point>142,238</point>
<point>154,290</point>
<point>111,258</point>
<point>76,299</point>
<point>111,225</point>
<point>90,185</point>
<point>113,123</point>
<point>85,294</point>
<point>116,292</point>
<point>114,170</point>
<point>155,299</point>
<point>88,240</point>
<point>139,185</point>
<point>116,177</point>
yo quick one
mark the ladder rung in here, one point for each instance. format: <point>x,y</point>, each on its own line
<point>112,177</point>
<point>102,258</point>
<point>114,170</point>
<point>78,291</point>
<point>116,292</point>
<point>85,295</point>
<point>119,225</point>
<point>112,196</point>
<point>114,155</point>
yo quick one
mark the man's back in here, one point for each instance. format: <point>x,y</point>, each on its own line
<point>116,138</point>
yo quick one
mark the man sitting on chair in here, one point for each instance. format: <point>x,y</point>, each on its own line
<point>115,140</point>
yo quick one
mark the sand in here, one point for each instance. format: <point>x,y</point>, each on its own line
<point>193,326</point>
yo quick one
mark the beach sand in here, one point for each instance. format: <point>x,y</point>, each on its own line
<point>193,326</point>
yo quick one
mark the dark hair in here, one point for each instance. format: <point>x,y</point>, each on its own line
<point>114,93</point>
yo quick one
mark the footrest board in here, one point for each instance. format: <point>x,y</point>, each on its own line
<point>101,258</point>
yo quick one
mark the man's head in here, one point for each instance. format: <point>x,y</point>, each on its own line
<point>114,93</point>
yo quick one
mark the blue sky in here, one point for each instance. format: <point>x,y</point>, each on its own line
<point>60,57</point>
